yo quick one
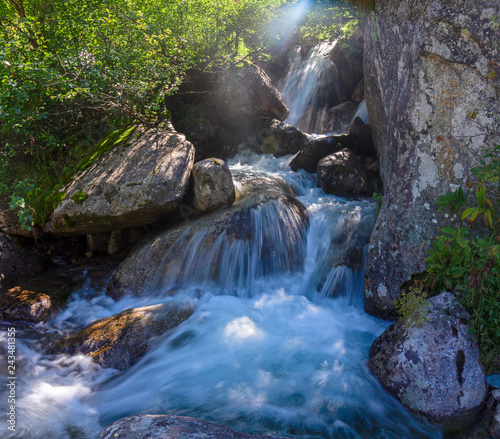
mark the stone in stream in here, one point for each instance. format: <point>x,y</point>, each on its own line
<point>434,370</point>
<point>212,185</point>
<point>278,138</point>
<point>427,65</point>
<point>138,182</point>
<point>317,148</point>
<point>172,427</point>
<point>344,175</point>
<point>262,233</point>
<point>121,340</point>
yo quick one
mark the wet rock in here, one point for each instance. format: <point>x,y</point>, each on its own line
<point>344,175</point>
<point>339,117</point>
<point>495,424</point>
<point>279,138</point>
<point>317,148</point>
<point>19,304</point>
<point>35,300</point>
<point>364,134</point>
<point>246,92</point>
<point>421,80</point>
<point>359,92</point>
<point>262,233</point>
<point>212,185</point>
<point>136,183</point>
<point>496,394</point>
<point>434,370</point>
<point>172,427</point>
<point>121,340</point>
<point>16,263</point>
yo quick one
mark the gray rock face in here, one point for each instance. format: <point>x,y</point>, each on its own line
<point>212,185</point>
<point>433,370</point>
<point>343,174</point>
<point>421,80</point>
<point>246,92</point>
<point>262,233</point>
<point>16,264</point>
<point>136,183</point>
<point>121,340</point>
<point>171,427</point>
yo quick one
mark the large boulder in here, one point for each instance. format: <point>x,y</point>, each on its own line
<point>138,182</point>
<point>344,175</point>
<point>262,233</point>
<point>172,427</point>
<point>212,185</point>
<point>421,80</point>
<point>433,366</point>
<point>246,92</point>
<point>16,263</point>
<point>278,138</point>
<point>348,57</point>
<point>121,340</point>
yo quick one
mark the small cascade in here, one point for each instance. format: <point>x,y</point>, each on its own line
<point>310,87</point>
<point>362,112</point>
<point>264,235</point>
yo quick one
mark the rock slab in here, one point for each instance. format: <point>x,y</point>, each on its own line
<point>427,65</point>
<point>136,183</point>
<point>172,427</point>
<point>121,340</point>
<point>433,370</point>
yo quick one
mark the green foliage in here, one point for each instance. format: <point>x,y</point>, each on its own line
<point>467,261</point>
<point>413,308</point>
<point>79,197</point>
<point>328,21</point>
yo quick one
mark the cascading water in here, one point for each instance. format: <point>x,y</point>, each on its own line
<point>310,87</point>
<point>278,341</point>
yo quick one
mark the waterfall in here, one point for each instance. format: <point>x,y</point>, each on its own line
<point>310,87</point>
<point>362,112</point>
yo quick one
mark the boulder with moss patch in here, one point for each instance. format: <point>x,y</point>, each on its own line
<point>433,368</point>
<point>121,340</point>
<point>137,182</point>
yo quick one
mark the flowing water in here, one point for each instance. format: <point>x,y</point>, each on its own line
<point>310,88</point>
<point>278,341</point>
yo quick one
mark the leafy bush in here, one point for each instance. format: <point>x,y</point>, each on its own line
<point>466,259</point>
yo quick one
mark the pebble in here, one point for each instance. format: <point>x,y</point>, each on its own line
<point>496,394</point>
